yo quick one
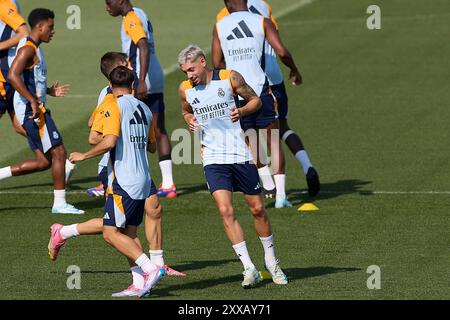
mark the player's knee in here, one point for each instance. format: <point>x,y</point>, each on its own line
<point>258,210</point>
<point>19,130</point>
<point>108,237</point>
<point>154,213</point>
<point>226,212</point>
<point>43,164</point>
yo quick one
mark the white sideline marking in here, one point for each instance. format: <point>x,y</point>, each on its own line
<point>293,7</point>
<point>174,67</point>
<point>360,20</point>
<point>349,192</point>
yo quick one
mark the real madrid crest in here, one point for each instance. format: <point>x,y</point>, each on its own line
<point>221,93</point>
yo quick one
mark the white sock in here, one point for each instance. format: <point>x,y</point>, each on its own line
<point>269,251</point>
<point>138,277</point>
<point>69,168</point>
<point>303,158</point>
<point>59,198</point>
<point>5,173</point>
<point>156,256</point>
<point>70,231</point>
<point>266,178</point>
<point>144,262</point>
<point>166,172</point>
<point>242,252</point>
<point>280,182</point>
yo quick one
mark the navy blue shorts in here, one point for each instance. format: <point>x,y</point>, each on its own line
<point>122,211</point>
<point>42,134</point>
<point>103,176</point>
<point>155,102</point>
<point>264,116</point>
<point>279,91</point>
<point>238,177</point>
<point>6,98</point>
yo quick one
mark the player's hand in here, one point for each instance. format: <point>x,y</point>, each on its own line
<point>57,90</point>
<point>235,115</point>
<point>76,157</point>
<point>295,77</point>
<point>35,106</point>
<point>142,90</point>
<point>193,124</point>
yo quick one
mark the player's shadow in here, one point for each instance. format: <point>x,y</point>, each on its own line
<point>311,272</point>
<point>14,209</point>
<point>190,189</point>
<point>104,272</point>
<point>197,265</point>
<point>331,190</point>
<point>47,184</point>
<point>293,274</point>
<point>185,267</point>
<point>71,186</point>
<point>93,204</point>
<point>74,183</point>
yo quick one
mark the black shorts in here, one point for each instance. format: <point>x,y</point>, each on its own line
<point>42,133</point>
<point>267,114</point>
<point>122,211</point>
<point>155,102</point>
<point>103,176</point>
<point>6,98</point>
<point>279,91</point>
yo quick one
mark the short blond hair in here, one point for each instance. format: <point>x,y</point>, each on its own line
<point>190,54</point>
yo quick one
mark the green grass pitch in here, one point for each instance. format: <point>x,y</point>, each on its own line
<point>373,114</point>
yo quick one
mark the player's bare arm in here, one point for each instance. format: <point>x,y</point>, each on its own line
<point>273,37</point>
<point>95,137</point>
<point>186,111</point>
<point>245,91</point>
<point>144,59</point>
<point>90,121</point>
<point>24,59</point>
<point>105,145</point>
<point>151,144</point>
<point>218,59</point>
<point>21,33</point>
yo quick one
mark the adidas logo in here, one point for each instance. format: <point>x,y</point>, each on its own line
<point>196,101</point>
<point>257,186</point>
<point>241,33</point>
<point>139,117</point>
<point>107,114</point>
<point>106,216</point>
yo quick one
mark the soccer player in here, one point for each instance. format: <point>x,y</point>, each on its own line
<point>108,62</point>
<point>138,44</point>
<point>278,89</point>
<point>208,100</point>
<point>126,132</point>
<point>28,76</point>
<point>238,40</point>
<point>60,234</point>
<point>12,29</point>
